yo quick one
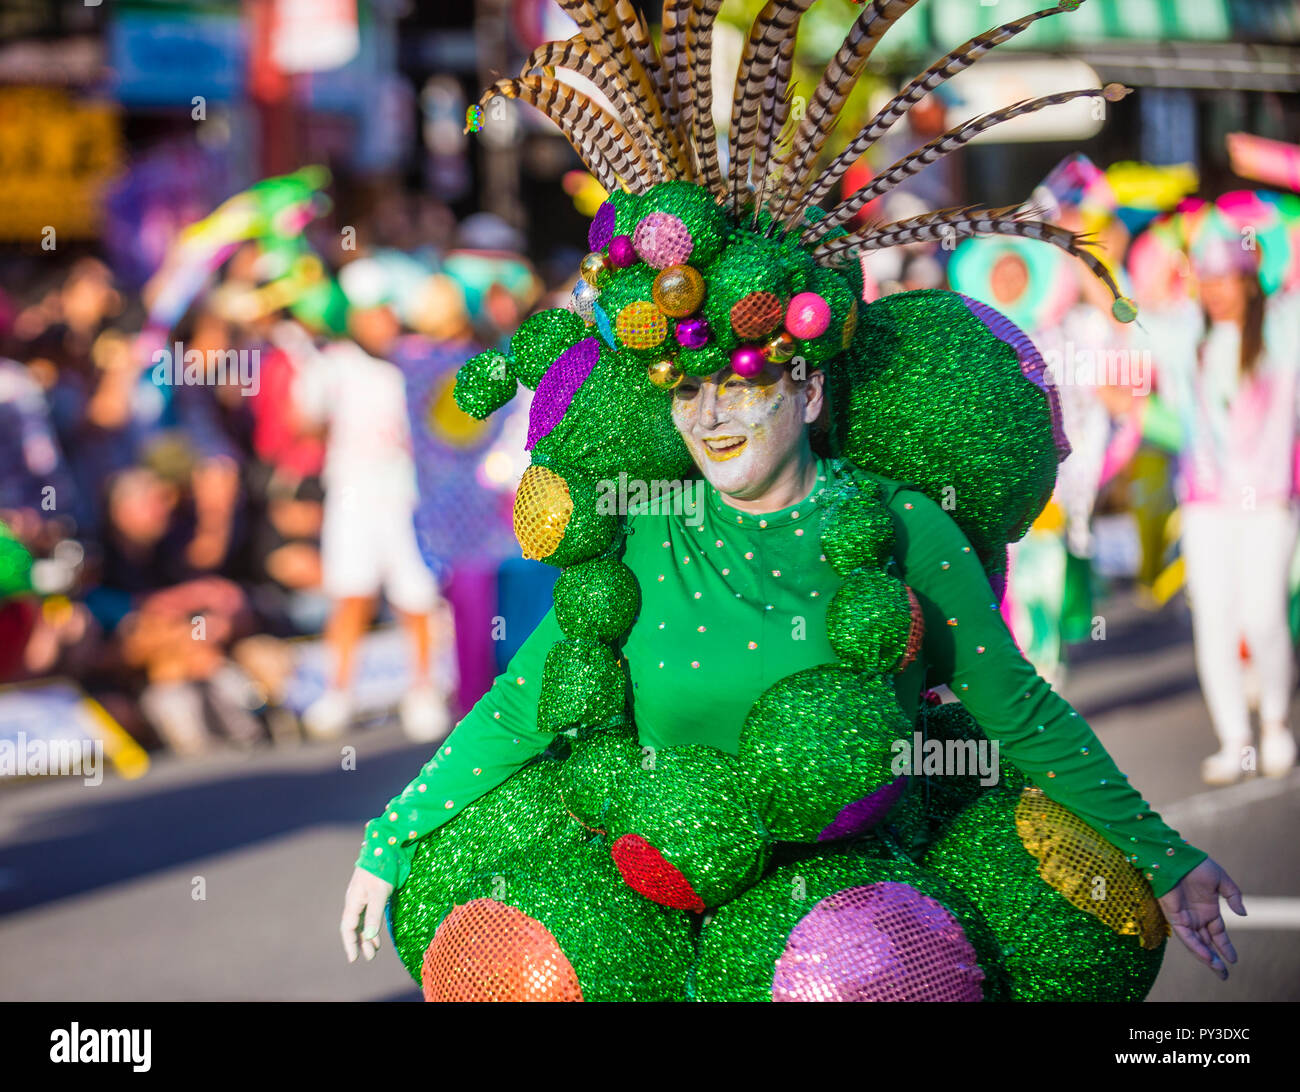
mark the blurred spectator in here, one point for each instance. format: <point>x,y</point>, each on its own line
<point>368,539</point>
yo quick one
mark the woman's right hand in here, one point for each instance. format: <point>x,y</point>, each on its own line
<point>363,913</point>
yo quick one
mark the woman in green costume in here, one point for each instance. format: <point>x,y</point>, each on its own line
<point>729,702</point>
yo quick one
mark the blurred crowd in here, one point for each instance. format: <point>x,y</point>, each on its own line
<point>176,526</point>
<point>187,527</point>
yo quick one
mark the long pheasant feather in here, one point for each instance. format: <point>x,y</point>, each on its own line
<point>775,110</point>
<point>604,145</point>
<point>915,90</point>
<point>834,87</point>
<point>963,223</point>
<point>944,145</point>
<point>699,37</point>
<point>676,63</point>
<point>602,29</point>
<point>637,35</point>
<point>574,55</point>
<point>755,91</point>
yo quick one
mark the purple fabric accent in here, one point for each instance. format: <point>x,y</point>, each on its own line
<point>558,386</point>
<point>860,816</point>
<point>1032,365</point>
<point>601,230</point>
<point>998,581</point>
<point>879,942</point>
<point>472,594</point>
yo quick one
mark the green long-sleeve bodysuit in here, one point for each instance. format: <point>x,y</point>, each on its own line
<point>730,604</point>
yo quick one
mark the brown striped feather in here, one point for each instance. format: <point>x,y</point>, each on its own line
<point>941,146</point>
<point>672,49</point>
<point>600,140</point>
<point>703,135</point>
<point>602,29</point>
<point>964,223</point>
<point>575,55</point>
<point>834,88</point>
<point>915,90</point>
<point>754,90</point>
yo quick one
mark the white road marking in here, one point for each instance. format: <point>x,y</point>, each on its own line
<point>1265,913</point>
<point>1208,805</point>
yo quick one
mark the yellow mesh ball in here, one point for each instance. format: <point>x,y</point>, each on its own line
<point>543,509</point>
<point>641,325</point>
<point>1089,871</point>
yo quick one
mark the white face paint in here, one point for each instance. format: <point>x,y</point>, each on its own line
<point>745,435</point>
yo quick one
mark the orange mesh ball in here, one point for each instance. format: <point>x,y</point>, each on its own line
<point>756,314</point>
<point>1088,870</point>
<point>543,509</point>
<point>641,325</point>
<point>485,950</point>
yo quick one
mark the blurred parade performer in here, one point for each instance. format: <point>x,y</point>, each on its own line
<point>703,722</point>
<point>368,539</point>
<point>1228,370</point>
<point>1068,315</point>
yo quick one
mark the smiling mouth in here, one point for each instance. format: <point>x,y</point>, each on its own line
<point>720,448</point>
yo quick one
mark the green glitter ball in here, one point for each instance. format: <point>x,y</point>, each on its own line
<point>744,946</point>
<point>951,721</point>
<point>596,772</point>
<point>860,532</point>
<point>628,210</point>
<point>520,819</point>
<point>869,620</point>
<point>750,265</point>
<point>597,600</point>
<point>485,383</point>
<point>583,686</point>
<point>620,946</point>
<point>687,812</point>
<point>616,423</point>
<point>909,826</point>
<point>705,361</point>
<point>540,339</point>
<point>634,285</point>
<point>928,395</point>
<point>816,742</point>
<point>15,566</point>
<point>694,206</point>
<point>1053,950</point>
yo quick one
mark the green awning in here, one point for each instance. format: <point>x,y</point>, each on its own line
<point>1095,21</point>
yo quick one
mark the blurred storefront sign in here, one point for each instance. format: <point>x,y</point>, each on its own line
<point>164,57</point>
<point>1246,45</point>
<point>54,729</point>
<point>1273,162</point>
<point>167,57</point>
<point>314,35</point>
<point>992,85</point>
<point>64,61</point>
<point>57,154</point>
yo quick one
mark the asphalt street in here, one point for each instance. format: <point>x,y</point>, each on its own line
<point>100,886</point>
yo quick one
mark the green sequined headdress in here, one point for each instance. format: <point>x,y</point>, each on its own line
<point>692,270</point>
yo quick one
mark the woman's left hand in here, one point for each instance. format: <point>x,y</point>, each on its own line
<point>1192,909</point>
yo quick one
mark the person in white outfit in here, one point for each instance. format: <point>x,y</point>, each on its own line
<point>1230,370</point>
<point>368,542</point>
